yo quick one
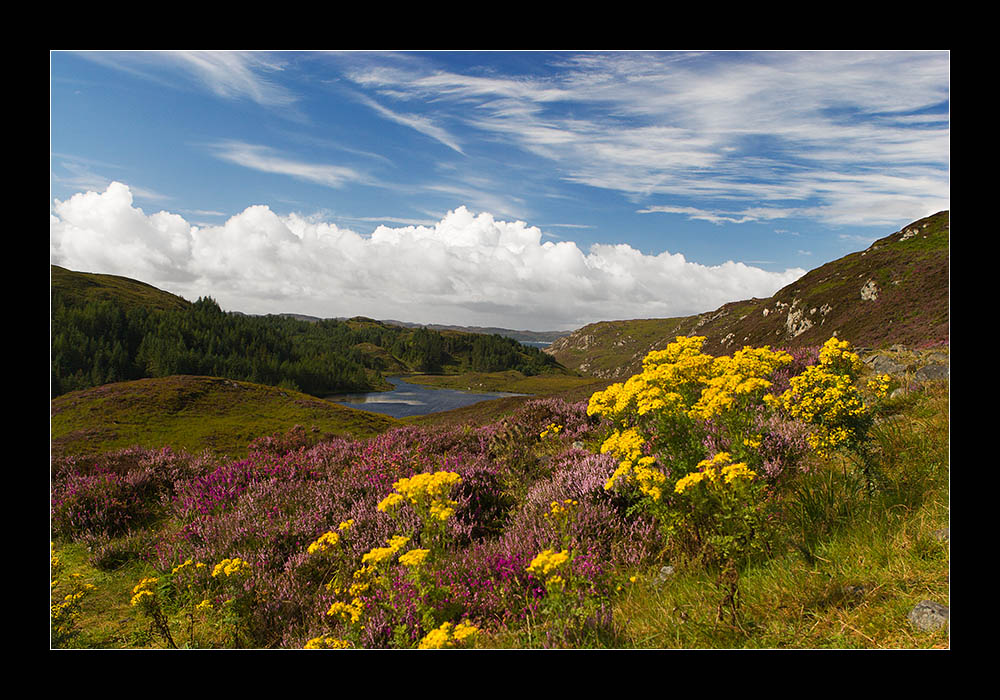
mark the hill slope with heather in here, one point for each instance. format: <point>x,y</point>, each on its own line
<point>195,414</point>
<point>894,292</point>
<point>83,287</point>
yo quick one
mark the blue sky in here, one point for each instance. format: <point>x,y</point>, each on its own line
<point>529,190</point>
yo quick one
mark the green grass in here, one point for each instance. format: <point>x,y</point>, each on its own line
<point>195,414</point>
<point>106,621</point>
<point>855,593</point>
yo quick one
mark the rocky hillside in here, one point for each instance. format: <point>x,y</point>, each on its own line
<point>896,292</point>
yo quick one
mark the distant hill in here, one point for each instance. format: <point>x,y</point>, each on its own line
<point>894,292</point>
<point>520,336</point>
<point>78,288</point>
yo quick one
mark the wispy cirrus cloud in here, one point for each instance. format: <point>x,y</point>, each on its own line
<point>795,130</point>
<point>792,132</point>
<point>743,217</point>
<point>416,122</point>
<point>226,74</point>
<point>78,173</point>
<point>237,75</point>
<point>268,160</point>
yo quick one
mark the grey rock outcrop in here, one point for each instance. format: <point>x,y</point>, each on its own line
<point>929,372</point>
<point>885,365</point>
<point>928,615</point>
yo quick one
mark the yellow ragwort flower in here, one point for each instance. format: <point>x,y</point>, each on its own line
<point>347,611</point>
<point>686,482</point>
<point>379,555</point>
<point>437,638</point>
<point>551,429</point>
<point>547,561</point>
<point>327,642</point>
<point>425,491</point>
<point>230,567</point>
<point>326,541</point>
<point>463,631</point>
<point>390,502</point>
<point>415,557</point>
<point>718,469</point>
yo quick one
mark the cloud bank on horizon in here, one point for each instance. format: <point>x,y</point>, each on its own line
<point>444,187</point>
<point>468,268</point>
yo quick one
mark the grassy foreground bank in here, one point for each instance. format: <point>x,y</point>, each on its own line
<point>845,562</point>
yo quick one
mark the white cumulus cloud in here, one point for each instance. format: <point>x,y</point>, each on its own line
<point>467,268</point>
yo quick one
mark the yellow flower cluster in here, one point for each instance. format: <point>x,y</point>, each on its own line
<point>879,385</point>
<point>667,376</point>
<point>627,444</point>
<point>682,382</point>
<point>561,511</point>
<point>718,470</point>
<point>347,611</point>
<point>649,479</point>
<point>430,491</point>
<point>547,561</point>
<point>824,396</point>
<point>330,539</point>
<point>448,635</point>
<point>743,374</point>
<point>551,429</point>
<point>390,502</point>
<point>187,563</point>
<point>230,567</point>
<point>70,601</point>
<point>327,642</point>
<point>362,582</point>
<point>681,362</point>
<point>67,610</point>
<point>143,591</point>
<point>351,607</point>
<point>378,555</point>
<point>825,440</point>
<point>837,356</point>
<point>464,631</point>
<point>414,558</point>
<point>711,384</point>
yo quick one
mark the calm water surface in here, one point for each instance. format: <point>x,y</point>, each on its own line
<point>413,400</point>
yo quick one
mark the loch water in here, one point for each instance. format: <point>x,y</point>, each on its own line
<point>407,399</point>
